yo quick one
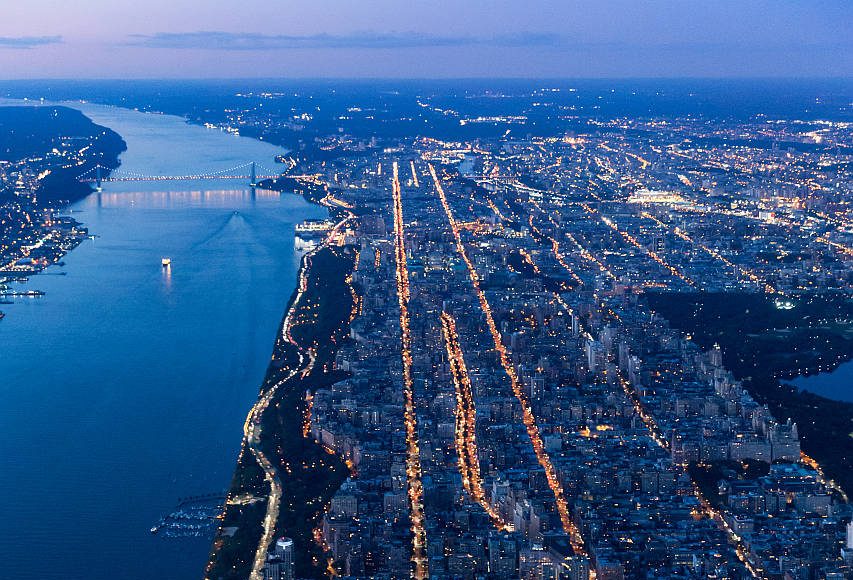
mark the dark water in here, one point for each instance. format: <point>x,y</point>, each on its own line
<point>126,386</point>
<point>837,385</point>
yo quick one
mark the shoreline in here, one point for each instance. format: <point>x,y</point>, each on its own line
<point>57,191</point>
<point>254,516</point>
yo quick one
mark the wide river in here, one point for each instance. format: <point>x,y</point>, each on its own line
<point>126,386</point>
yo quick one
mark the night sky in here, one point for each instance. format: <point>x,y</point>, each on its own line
<point>431,39</point>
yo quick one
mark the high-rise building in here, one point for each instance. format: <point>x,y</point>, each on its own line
<point>716,356</point>
<point>279,564</point>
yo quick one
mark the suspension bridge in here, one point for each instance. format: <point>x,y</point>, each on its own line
<point>247,171</point>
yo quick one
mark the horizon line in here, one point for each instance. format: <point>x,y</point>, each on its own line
<point>431,79</point>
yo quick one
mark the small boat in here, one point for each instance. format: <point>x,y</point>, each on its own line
<point>166,262</point>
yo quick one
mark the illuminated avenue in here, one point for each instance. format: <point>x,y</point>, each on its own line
<point>413,460</point>
<point>466,422</point>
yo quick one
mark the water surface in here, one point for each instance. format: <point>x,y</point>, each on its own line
<point>126,385</point>
<point>837,385</point>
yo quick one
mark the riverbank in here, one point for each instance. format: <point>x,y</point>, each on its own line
<point>278,455</point>
<point>44,150</point>
<point>60,143</point>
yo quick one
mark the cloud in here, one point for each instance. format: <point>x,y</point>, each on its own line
<point>28,41</point>
<point>366,40</point>
<point>249,41</point>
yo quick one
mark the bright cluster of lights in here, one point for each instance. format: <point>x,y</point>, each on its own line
<point>122,175</point>
<point>841,248</point>
<point>525,255</point>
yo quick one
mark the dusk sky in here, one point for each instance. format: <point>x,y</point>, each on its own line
<point>436,38</point>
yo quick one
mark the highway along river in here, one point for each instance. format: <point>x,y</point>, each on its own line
<point>126,386</point>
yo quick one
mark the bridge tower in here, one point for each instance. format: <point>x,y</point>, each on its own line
<point>98,177</point>
<point>253,179</point>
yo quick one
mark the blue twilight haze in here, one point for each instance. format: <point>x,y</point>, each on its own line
<point>433,39</point>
